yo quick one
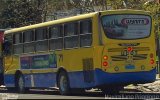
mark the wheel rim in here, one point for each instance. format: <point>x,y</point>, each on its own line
<point>21,83</point>
<point>63,83</point>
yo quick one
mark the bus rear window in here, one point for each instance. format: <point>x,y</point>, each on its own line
<point>126,26</point>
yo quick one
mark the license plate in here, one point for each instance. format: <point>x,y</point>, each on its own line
<point>130,67</point>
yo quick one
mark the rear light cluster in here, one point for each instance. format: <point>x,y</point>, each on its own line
<point>151,59</point>
<point>129,49</point>
<point>105,62</point>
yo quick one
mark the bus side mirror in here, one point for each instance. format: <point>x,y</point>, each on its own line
<point>6,47</point>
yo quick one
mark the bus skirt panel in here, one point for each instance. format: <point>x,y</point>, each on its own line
<point>101,78</point>
<point>85,79</point>
<point>43,80</point>
<point>9,80</point>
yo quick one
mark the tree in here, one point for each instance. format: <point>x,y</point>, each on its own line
<point>3,5</point>
<point>20,13</point>
<point>16,13</point>
<point>154,8</point>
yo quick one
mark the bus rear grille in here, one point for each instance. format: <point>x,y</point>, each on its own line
<point>119,58</point>
<point>123,58</point>
<point>125,48</point>
<point>140,57</point>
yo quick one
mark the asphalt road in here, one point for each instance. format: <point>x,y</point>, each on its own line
<point>49,94</point>
<point>54,94</point>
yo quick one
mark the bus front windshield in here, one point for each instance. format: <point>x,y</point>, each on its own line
<point>126,26</point>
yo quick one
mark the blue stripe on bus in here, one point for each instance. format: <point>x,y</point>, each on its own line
<point>77,79</point>
<point>128,77</point>
<point>44,80</point>
<point>103,78</point>
<point>9,80</point>
<point>40,80</point>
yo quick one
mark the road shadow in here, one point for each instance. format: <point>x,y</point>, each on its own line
<point>33,91</point>
<point>87,93</point>
<point>56,92</point>
<point>127,93</point>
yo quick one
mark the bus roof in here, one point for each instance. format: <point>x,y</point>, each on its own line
<point>127,10</point>
<point>45,24</point>
<point>68,19</point>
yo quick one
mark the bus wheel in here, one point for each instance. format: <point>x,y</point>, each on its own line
<point>20,84</point>
<point>63,83</point>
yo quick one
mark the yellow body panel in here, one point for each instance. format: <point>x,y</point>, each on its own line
<point>11,64</point>
<point>148,44</point>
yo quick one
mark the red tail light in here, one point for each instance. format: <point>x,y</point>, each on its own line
<point>151,61</point>
<point>105,63</point>
<point>129,49</point>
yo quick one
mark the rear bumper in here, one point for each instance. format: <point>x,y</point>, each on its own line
<point>104,78</point>
<point>125,78</point>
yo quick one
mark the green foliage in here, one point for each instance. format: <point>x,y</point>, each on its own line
<point>20,13</point>
<point>154,8</point>
<point>16,13</point>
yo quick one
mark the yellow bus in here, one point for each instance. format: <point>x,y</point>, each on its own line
<point>106,50</point>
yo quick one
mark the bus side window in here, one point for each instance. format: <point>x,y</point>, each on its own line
<point>28,41</point>
<point>7,45</point>
<point>41,35</point>
<point>56,37</point>
<point>71,35</point>
<point>17,43</point>
<point>85,33</point>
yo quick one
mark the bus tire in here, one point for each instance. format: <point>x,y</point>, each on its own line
<point>63,83</point>
<point>20,84</point>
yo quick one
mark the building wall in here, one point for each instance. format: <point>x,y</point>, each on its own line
<point>158,1</point>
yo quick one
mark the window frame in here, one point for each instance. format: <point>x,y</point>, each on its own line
<point>61,31</point>
<point>20,40</point>
<point>91,23</point>
<point>56,38</point>
<point>33,36</point>
<point>46,35</point>
<point>69,36</point>
<point>72,22</point>
<point>17,44</point>
<point>46,38</point>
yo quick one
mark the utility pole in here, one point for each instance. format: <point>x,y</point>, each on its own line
<point>125,2</point>
<point>158,41</point>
